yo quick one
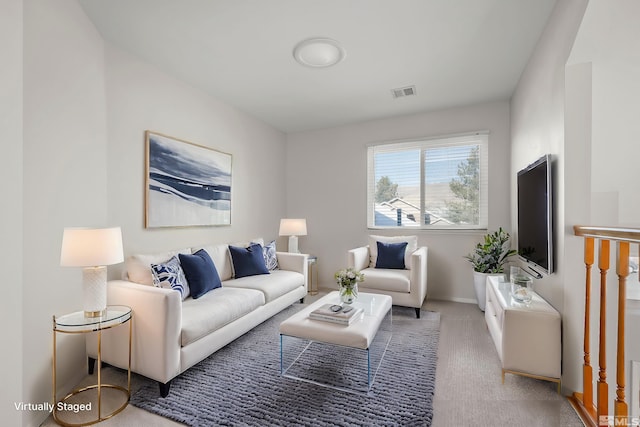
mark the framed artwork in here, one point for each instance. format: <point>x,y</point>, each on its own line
<point>186,184</point>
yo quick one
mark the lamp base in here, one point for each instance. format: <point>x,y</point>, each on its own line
<point>293,244</point>
<point>94,284</point>
<point>92,314</point>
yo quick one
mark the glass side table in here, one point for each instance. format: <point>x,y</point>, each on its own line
<point>77,323</point>
<point>312,260</point>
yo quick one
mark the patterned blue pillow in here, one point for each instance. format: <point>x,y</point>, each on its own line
<point>270,257</point>
<point>170,275</point>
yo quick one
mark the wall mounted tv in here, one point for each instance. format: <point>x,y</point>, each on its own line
<point>535,215</point>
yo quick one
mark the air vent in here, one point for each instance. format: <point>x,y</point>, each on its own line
<point>403,91</point>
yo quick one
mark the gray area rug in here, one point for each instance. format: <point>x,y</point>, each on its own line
<point>240,385</point>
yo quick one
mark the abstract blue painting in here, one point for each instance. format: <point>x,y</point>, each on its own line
<point>186,184</point>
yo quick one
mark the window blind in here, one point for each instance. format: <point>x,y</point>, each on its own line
<point>436,183</point>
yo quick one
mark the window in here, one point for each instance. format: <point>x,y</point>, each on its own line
<point>436,183</point>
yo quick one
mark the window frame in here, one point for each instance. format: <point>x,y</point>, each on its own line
<point>480,138</point>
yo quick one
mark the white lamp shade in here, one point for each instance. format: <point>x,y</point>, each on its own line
<point>293,227</point>
<point>91,247</point>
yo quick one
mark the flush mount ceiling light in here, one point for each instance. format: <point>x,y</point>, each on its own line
<point>318,52</point>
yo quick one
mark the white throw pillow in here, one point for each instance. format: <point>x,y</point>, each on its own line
<point>139,266</point>
<point>221,259</point>
<point>412,245</point>
<point>221,256</point>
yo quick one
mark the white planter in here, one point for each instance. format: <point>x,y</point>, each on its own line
<point>480,286</point>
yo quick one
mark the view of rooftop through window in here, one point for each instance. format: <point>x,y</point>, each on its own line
<point>445,177</point>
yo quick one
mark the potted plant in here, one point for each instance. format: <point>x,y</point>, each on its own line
<point>489,258</point>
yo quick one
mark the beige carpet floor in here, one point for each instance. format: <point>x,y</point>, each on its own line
<point>469,390</point>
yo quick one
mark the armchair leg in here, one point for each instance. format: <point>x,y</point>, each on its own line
<point>91,365</point>
<point>164,388</point>
<point>418,312</point>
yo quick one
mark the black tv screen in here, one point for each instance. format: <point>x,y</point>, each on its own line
<point>535,214</point>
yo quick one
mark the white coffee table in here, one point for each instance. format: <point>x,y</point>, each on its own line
<point>334,355</point>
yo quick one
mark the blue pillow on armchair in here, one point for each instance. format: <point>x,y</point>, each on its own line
<point>248,261</point>
<point>201,273</point>
<point>391,255</point>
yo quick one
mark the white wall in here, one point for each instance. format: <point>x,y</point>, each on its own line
<point>326,184</point>
<point>11,214</point>
<point>86,107</point>
<point>139,98</point>
<point>537,128</point>
<point>603,69</point>
<point>65,180</point>
<point>608,39</point>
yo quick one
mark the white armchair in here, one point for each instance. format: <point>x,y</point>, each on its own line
<point>407,287</point>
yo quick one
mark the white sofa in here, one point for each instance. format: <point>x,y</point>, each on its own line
<point>407,287</point>
<point>171,335</point>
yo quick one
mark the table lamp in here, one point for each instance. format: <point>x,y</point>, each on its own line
<point>93,249</point>
<point>293,228</point>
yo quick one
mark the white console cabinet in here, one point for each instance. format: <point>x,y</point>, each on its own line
<point>527,337</point>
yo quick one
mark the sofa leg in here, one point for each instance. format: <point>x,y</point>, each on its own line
<point>418,312</point>
<point>301,300</point>
<point>164,388</point>
<point>91,365</point>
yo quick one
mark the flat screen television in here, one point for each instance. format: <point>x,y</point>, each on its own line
<point>535,215</point>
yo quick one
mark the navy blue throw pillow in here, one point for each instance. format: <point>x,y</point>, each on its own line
<point>201,273</point>
<point>248,261</point>
<point>391,255</point>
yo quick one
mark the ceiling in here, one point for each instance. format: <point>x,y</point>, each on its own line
<point>455,52</point>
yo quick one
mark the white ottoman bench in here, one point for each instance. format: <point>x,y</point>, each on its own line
<point>354,353</point>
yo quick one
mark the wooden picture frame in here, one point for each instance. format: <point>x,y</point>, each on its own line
<point>186,184</point>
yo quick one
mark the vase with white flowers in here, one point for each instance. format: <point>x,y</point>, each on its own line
<point>347,280</point>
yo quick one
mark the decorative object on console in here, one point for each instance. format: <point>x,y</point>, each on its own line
<point>293,227</point>
<point>521,285</point>
<point>186,184</point>
<point>488,259</point>
<point>347,280</point>
<point>93,249</point>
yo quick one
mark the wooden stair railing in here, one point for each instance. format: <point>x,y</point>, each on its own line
<point>598,414</point>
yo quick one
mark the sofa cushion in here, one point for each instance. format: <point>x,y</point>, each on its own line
<point>201,273</point>
<point>273,285</point>
<point>170,275</point>
<point>248,261</point>
<point>386,279</point>
<point>412,245</point>
<point>391,255</point>
<point>221,259</point>
<point>216,309</point>
<point>139,266</point>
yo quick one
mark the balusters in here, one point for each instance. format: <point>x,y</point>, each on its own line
<point>583,402</point>
<point>603,387</point>
<point>587,371</point>
<point>620,406</point>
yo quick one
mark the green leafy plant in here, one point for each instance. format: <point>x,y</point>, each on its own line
<point>491,255</point>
